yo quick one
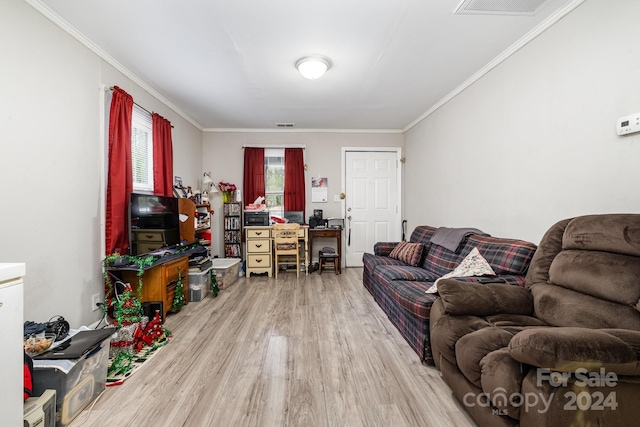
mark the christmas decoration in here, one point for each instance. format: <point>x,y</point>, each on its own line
<point>178,296</point>
<point>150,333</point>
<point>214,284</point>
<point>127,308</point>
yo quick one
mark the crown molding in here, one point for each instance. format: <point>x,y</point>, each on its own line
<point>269,130</point>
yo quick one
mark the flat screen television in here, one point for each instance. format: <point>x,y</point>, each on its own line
<point>147,211</point>
<point>151,211</point>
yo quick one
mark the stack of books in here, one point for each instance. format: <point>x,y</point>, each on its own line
<point>199,264</point>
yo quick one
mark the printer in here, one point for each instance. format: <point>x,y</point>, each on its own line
<point>256,218</point>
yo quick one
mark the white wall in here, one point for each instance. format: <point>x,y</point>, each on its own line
<point>534,141</point>
<point>51,161</point>
<point>223,157</point>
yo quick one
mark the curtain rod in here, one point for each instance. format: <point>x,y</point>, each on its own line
<point>139,106</point>
<point>274,146</point>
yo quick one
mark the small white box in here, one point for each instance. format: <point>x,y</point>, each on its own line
<point>226,271</point>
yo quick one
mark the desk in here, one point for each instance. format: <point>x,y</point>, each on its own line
<point>331,233</point>
<point>260,251</point>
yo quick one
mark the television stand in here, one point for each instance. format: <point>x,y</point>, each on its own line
<point>145,240</point>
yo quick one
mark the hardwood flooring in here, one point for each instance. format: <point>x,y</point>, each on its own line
<point>313,351</point>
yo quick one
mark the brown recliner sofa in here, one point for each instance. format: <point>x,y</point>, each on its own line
<point>562,351</point>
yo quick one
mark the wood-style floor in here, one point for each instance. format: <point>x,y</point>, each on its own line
<point>313,351</point>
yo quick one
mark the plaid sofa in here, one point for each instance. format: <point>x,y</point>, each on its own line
<point>399,289</point>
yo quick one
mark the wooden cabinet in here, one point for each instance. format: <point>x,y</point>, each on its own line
<point>193,227</point>
<point>159,282</point>
<point>145,240</point>
<point>259,258</point>
<point>232,230</point>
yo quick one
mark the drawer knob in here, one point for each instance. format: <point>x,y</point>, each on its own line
<point>258,246</point>
<point>259,233</point>
<point>259,260</point>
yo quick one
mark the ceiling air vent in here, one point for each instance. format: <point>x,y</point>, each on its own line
<point>284,125</point>
<point>500,7</point>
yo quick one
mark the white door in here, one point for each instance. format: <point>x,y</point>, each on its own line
<point>372,202</point>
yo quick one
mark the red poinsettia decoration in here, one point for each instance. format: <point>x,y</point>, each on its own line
<point>226,186</point>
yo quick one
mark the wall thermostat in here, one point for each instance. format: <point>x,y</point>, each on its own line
<point>629,124</point>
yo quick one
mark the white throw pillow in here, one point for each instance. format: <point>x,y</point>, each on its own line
<point>474,264</point>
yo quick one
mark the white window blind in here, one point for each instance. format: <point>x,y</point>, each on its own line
<point>274,180</point>
<point>142,150</point>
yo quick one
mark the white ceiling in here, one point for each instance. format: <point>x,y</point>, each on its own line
<point>229,64</point>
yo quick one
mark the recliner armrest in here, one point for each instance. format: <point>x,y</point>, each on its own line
<point>566,349</point>
<point>467,298</point>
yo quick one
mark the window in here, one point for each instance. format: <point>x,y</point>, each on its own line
<point>142,150</point>
<point>274,180</point>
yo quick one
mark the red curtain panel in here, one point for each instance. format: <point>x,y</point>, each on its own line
<point>294,191</point>
<point>253,183</point>
<point>162,156</point>
<point>119,179</point>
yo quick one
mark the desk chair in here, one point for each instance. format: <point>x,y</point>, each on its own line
<point>285,246</point>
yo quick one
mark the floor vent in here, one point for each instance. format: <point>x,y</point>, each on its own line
<point>500,7</point>
<point>284,125</point>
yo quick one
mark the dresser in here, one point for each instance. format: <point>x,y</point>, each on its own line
<point>259,253</point>
<point>159,282</point>
<point>258,246</point>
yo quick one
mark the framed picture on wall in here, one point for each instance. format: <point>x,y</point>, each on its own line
<point>319,189</point>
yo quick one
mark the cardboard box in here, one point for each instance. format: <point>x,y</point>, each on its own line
<point>76,382</point>
<point>226,270</point>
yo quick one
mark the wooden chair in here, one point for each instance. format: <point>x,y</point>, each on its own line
<point>285,246</point>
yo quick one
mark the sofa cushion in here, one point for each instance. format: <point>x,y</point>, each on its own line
<point>604,275</point>
<point>506,256</point>
<point>464,298</point>
<point>403,272</point>
<point>558,306</point>
<point>411,296</point>
<point>616,233</point>
<point>566,349</point>
<point>472,265</point>
<point>409,253</point>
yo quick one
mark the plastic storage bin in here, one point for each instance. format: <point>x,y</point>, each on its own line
<point>76,382</point>
<point>200,278</point>
<point>198,292</point>
<point>226,270</point>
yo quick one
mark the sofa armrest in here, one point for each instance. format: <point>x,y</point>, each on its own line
<point>384,248</point>
<point>566,349</point>
<point>467,298</point>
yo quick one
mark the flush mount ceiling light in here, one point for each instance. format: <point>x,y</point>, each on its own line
<point>313,67</point>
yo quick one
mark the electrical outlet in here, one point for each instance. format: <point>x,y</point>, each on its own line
<point>95,300</point>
